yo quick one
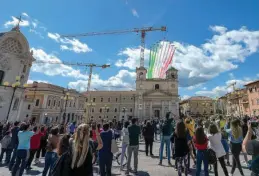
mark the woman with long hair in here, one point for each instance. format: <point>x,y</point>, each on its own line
<point>236,139</point>
<point>201,144</point>
<point>182,141</point>
<point>216,145</point>
<point>81,151</point>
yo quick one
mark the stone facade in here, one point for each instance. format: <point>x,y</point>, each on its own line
<point>15,61</point>
<point>152,99</point>
<point>198,106</point>
<point>54,104</point>
<point>253,97</point>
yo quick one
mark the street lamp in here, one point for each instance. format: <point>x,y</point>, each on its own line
<point>90,105</point>
<point>14,86</point>
<point>66,97</point>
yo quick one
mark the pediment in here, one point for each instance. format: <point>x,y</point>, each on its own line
<point>157,93</point>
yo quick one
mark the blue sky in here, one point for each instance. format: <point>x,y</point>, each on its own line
<point>217,41</point>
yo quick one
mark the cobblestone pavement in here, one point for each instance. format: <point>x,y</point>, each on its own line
<point>147,166</point>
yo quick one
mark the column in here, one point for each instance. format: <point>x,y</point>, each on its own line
<point>150,110</point>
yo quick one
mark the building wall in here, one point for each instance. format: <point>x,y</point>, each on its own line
<point>49,104</point>
<point>253,97</point>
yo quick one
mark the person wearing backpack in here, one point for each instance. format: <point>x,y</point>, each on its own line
<point>62,167</point>
<point>216,145</point>
<point>6,148</point>
<point>182,143</point>
<point>201,144</point>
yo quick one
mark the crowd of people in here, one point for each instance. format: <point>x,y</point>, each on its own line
<point>71,149</point>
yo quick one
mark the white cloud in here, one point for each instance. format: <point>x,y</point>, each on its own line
<point>37,33</point>
<point>54,69</point>
<point>132,58</point>
<point>194,86</point>
<point>25,14</point>
<point>185,97</point>
<point>70,44</point>
<point>231,75</point>
<point>15,21</point>
<point>123,80</point>
<point>198,64</point>
<point>39,81</point>
<point>134,13</point>
<point>34,24</point>
<point>222,90</point>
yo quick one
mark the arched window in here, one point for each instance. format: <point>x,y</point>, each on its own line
<point>37,102</point>
<point>1,76</point>
<point>115,110</point>
<point>156,86</point>
<point>101,109</point>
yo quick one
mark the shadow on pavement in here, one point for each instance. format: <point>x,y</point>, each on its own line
<point>143,173</point>
<point>33,172</point>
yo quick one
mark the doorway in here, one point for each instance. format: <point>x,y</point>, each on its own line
<point>157,113</point>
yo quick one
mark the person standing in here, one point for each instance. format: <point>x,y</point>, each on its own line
<point>43,143</point>
<point>134,133</point>
<point>105,154</point>
<point>14,143</point>
<point>22,154</point>
<point>72,128</point>
<point>51,155</point>
<point>125,142</point>
<point>201,144</point>
<point>148,133</point>
<point>6,148</point>
<point>167,130</point>
<point>216,145</point>
<point>34,146</point>
<point>236,139</point>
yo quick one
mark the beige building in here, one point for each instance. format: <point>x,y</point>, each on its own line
<point>53,104</point>
<point>253,97</point>
<point>237,104</point>
<point>151,99</point>
<point>197,106</point>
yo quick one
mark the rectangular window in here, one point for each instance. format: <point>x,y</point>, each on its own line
<point>1,76</point>
<point>49,102</point>
<point>92,109</point>
<point>37,102</point>
<point>54,103</point>
<point>130,109</point>
<point>29,106</point>
<point>101,99</point>
<point>109,99</point>
<point>58,103</point>
<point>93,99</point>
<point>116,99</point>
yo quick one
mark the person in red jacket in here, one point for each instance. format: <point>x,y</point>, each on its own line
<point>34,145</point>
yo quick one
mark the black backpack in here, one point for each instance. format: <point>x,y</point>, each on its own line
<point>211,156</point>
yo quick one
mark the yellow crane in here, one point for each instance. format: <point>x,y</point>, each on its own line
<point>142,31</point>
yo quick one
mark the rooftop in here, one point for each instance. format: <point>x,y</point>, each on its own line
<point>253,82</point>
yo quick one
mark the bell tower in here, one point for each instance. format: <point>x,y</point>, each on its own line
<point>172,73</point>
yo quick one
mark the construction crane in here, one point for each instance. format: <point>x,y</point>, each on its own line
<point>232,85</point>
<point>143,32</point>
<point>90,65</point>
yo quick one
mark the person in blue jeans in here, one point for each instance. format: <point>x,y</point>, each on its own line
<point>201,144</point>
<point>22,153</point>
<point>167,130</point>
<point>51,155</point>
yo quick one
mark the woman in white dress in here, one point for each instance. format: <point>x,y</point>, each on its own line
<point>125,141</point>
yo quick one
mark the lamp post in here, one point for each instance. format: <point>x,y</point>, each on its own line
<point>66,97</point>
<point>90,105</point>
<point>14,86</point>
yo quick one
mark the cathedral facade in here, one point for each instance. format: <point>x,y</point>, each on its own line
<point>15,63</point>
<point>152,99</point>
